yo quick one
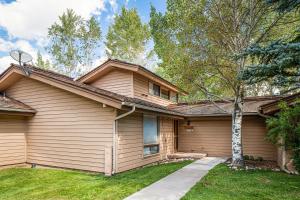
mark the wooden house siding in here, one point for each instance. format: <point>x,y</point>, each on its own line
<point>213,136</point>
<point>117,81</point>
<point>141,91</point>
<point>67,131</point>
<point>130,152</point>
<point>12,140</point>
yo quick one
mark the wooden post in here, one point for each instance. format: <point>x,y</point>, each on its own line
<point>108,161</point>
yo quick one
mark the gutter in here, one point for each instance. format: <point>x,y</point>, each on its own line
<point>262,115</point>
<point>114,156</point>
<point>154,109</point>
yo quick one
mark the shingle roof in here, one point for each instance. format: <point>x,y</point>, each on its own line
<point>207,108</point>
<point>11,105</point>
<point>131,64</point>
<point>273,107</point>
<point>202,108</point>
<point>121,98</point>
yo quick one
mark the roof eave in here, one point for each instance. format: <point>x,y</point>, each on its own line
<point>63,85</point>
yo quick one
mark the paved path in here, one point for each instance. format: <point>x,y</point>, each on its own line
<point>175,185</point>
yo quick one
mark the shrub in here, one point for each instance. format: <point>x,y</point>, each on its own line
<point>246,157</point>
<point>259,158</point>
<point>286,126</point>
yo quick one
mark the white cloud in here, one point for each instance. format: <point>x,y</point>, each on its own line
<point>114,5</point>
<point>30,19</point>
<point>5,62</point>
<point>24,45</point>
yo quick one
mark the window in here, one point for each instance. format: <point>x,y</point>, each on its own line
<point>165,94</point>
<point>150,128</point>
<point>174,97</point>
<point>154,89</point>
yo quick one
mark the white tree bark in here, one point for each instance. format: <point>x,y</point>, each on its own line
<point>237,149</point>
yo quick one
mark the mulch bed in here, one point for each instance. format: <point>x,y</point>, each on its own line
<point>254,164</point>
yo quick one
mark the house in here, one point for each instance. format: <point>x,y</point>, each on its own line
<point>117,117</point>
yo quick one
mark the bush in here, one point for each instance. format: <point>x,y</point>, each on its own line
<point>259,158</point>
<point>246,157</point>
<point>251,158</point>
<point>286,126</point>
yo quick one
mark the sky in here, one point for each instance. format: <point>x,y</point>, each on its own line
<point>24,23</point>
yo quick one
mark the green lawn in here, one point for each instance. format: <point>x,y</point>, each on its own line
<point>222,183</point>
<point>54,184</point>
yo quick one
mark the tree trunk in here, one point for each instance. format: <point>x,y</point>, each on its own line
<point>237,150</point>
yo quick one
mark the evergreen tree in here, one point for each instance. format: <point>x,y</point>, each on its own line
<point>44,64</point>
<point>279,61</point>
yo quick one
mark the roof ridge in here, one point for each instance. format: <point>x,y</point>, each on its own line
<point>252,98</point>
<point>48,71</point>
<point>130,64</point>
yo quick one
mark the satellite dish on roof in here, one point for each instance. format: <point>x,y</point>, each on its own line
<point>22,57</point>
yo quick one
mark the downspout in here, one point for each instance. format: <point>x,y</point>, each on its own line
<point>114,157</point>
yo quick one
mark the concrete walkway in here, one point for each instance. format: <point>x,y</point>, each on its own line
<point>177,184</point>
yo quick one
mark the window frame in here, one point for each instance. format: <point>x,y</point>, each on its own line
<point>175,94</point>
<point>157,144</point>
<point>151,90</point>
<point>166,90</point>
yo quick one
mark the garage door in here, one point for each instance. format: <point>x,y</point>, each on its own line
<point>12,140</point>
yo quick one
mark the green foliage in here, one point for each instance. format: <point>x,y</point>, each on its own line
<point>72,42</point>
<point>197,41</point>
<point>50,184</point>
<point>278,61</point>
<point>259,158</point>
<point>246,157</point>
<point>127,36</point>
<point>222,183</point>
<point>286,127</point>
<point>41,63</point>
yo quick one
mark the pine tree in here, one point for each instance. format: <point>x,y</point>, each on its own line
<point>279,61</point>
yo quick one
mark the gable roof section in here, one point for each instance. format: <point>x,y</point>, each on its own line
<point>207,108</point>
<point>112,64</point>
<point>202,108</point>
<point>15,73</point>
<point>10,105</point>
<point>273,107</point>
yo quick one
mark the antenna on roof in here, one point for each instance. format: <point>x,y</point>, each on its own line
<point>22,57</point>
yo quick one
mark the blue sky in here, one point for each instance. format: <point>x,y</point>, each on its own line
<point>24,23</point>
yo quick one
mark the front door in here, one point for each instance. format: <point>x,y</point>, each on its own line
<point>175,135</point>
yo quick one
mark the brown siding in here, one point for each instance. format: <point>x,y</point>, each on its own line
<point>117,81</point>
<point>130,142</point>
<point>68,130</point>
<point>213,136</point>
<point>12,140</point>
<point>141,91</point>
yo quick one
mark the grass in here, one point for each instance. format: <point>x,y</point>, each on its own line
<point>224,183</point>
<point>25,184</point>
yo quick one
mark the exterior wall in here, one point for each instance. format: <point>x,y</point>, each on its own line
<point>12,140</point>
<point>130,153</point>
<point>213,136</point>
<point>141,91</point>
<point>67,131</point>
<point>117,81</point>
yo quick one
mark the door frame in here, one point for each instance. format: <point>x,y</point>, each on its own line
<point>175,136</point>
